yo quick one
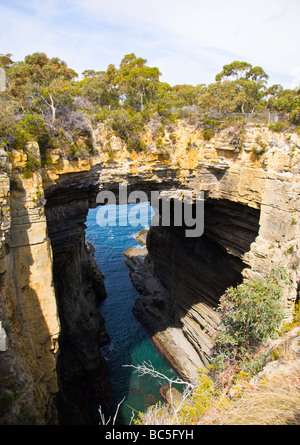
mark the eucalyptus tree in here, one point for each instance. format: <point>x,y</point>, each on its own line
<point>137,81</point>
<point>100,87</point>
<point>42,83</point>
<point>248,82</point>
<point>6,61</point>
<point>288,101</point>
<point>271,95</point>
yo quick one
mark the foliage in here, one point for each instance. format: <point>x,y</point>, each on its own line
<point>186,95</point>
<point>15,134</point>
<point>129,127</point>
<point>137,81</point>
<point>33,128</point>
<point>99,87</point>
<point>198,401</point>
<point>285,101</point>
<point>242,70</point>
<point>45,103</point>
<point>294,323</point>
<point>195,402</point>
<point>247,87</point>
<point>223,393</point>
<point>6,61</point>
<point>208,134</point>
<point>249,313</point>
<point>41,83</point>
<point>31,165</point>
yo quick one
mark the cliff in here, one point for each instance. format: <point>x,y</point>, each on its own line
<point>250,177</point>
<point>49,297</point>
<point>28,305</point>
<point>79,287</point>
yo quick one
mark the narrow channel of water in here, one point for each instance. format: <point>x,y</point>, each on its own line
<point>130,343</point>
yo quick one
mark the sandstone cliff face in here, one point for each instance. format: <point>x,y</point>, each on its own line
<point>51,328</point>
<point>28,305</point>
<point>251,184</point>
<point>196,271</point>
<point>79,287</point>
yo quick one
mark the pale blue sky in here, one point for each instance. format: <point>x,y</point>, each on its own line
<point>188,40</point>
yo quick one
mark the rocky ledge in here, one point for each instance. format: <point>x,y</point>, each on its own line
<point>148,309</point>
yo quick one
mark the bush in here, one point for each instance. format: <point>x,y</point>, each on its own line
<point>295,322</point>
<point>190,407</point>
<point>129,126</point>
<point>31,128</point>
<point>250,313</point>
<point>208,134</point>
<point>16,132</point>
<point>278,127</point>
<point>31,165</point>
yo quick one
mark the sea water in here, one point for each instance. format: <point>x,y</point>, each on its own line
<point>130,343</point>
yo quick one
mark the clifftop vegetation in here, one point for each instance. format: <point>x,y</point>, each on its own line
<point>46,101</point>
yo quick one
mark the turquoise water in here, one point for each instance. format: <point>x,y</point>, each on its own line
<point>130,343</point>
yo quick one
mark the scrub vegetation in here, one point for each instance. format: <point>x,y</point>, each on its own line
<point>46,101</point>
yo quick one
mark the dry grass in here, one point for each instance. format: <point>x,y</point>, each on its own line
<point>274,401</point>
<point>271,398</point>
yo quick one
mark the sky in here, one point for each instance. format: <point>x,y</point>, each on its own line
<point>188,40</point>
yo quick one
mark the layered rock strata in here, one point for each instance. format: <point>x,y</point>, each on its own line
<point>52,367</point>
<point>193,273</point>
<point>28,306</point>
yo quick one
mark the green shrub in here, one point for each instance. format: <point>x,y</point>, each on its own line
<point>136,144</point>
<point>31,128</point>
<point>211,122</point>
<point>73,151</point>
<point>208,134</point>
<point>111,154</point>
<point>278,127</point>
<point>31,165</point>
<point>126,123</point>
<point>252,364</point>
<point>129,126</point>
<point>46,161</point>
<point>250,313</point>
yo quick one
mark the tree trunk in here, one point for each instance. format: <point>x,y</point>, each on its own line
<point>52,107</point>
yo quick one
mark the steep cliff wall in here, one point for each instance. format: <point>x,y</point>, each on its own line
<point>196,271</point>
<point>51,364</point>
<point>79,287</point>
<point>28,305</point>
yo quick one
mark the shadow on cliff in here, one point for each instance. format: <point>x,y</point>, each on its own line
<point>29,330</point>
<point>196,271</point>
<point>192,271</point>
<point>82,373</point>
